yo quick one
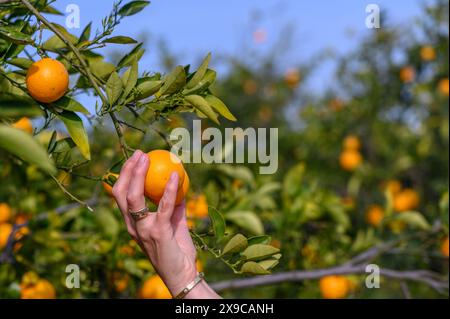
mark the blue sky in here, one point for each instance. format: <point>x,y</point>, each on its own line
<point>191,28</point>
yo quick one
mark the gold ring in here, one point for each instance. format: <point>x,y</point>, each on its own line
<point>140,213</point>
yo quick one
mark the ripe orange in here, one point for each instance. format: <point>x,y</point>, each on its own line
<point>407,199</point>
<point>350,159</point>
<point>393,187</point>
<point>24,124</point>
<point>162,165</point>
<point>407,74</point>
<point>111,177</point>
<point>120,281</point>
<point>47,80</point>
<point>5,212</point>
<point>427,53</point>
<point>43,289</point>
<point>443,86</point>
<point>334,287</point>
<point>154,288</point>
<point>197,207</point>
<point>5,231</point>
<point>336,104</point>
<point>292,78</point>
<point>445,247</point>
<point>375,215</point>
<point>351,142</point>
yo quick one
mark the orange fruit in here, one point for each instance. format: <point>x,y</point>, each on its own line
<point>250,87</point>
<point>111,177</point>
<point>199,265</point>
<point>292,78</point>
<point>445,247</point>
<point>5,231</point>
<point>197,207</point>
<point>407,74</point>
<point>120,281</point>
<point>265,114</point>
<point>5,212</point>
<point>43,289</point>
<point>443,86</point>
<point>427,53</point>
<point>162,165</point>
<point>393,187</point>
<point>375,215</point>
<point>350,159</point>
<point>154,288</point>
<point>23,231</point>
<point>351,142</point>
<point>47,80</point>
<point>24,124</point>
<point>336,104</point>
<point>334,287</point>
<point>407,199</point>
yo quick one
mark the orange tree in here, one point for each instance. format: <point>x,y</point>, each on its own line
<point>40,232</point>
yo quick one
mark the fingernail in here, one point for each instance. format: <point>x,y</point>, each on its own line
<point>173,176</point>
<point>135,154</point>
<point>143,159</point>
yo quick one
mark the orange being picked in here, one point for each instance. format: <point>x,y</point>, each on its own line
<point>5,213</point>
<point>375,215</point>
<point>162,165</point>
<point>334,287</point>
<point>350,160</point>
<point>351,142</point>
<point>5,231</point>
<point>445,247</point>
<point>47,80</point>
<point>407,199</point>
<point>109,178</point>
<point>154,288</point>
<point>24,124</point>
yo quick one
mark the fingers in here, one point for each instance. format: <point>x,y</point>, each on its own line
<point>120,188</point>
<point>135,195</point>
<point>167,202</point>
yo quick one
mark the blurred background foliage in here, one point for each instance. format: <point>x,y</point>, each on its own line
<point>363,162</point>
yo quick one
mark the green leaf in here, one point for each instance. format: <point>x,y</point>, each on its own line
<point>200,103</point>
<point>100,68</point>
<point>205,83</point>
<point>133,7</point>
<point>20,63</point>
<point>220,107</point>
<point>77,132</point>
<point>144,88</point>
<point>413,219</point>
<point>114,88</point>
<point>218,223</point>
<point>134,55</point>
<point>14,105</point>
<point>247,220</point>
<point>10,33</point>
<point>200,72</point>
<point>235,244</point>
<point>69,104</point>
<point>174,81</point>
<point>269,263</point>
<point>64,145</point>
<point>107,222</point>
<point>86,34</point>
<point>254,268</point>
<point>24,146</point>
<point>131,79</point>
<point>259,251</point>
<point>262,239</point>
<point>120,40</point>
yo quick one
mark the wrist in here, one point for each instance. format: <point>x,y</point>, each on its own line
<point>202,291</point>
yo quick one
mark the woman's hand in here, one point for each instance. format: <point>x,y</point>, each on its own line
<point>163,235</point>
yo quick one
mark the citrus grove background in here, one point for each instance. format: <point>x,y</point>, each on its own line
<point>363,164</point>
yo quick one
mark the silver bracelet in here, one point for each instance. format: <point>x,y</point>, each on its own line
<point>190,286</point>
